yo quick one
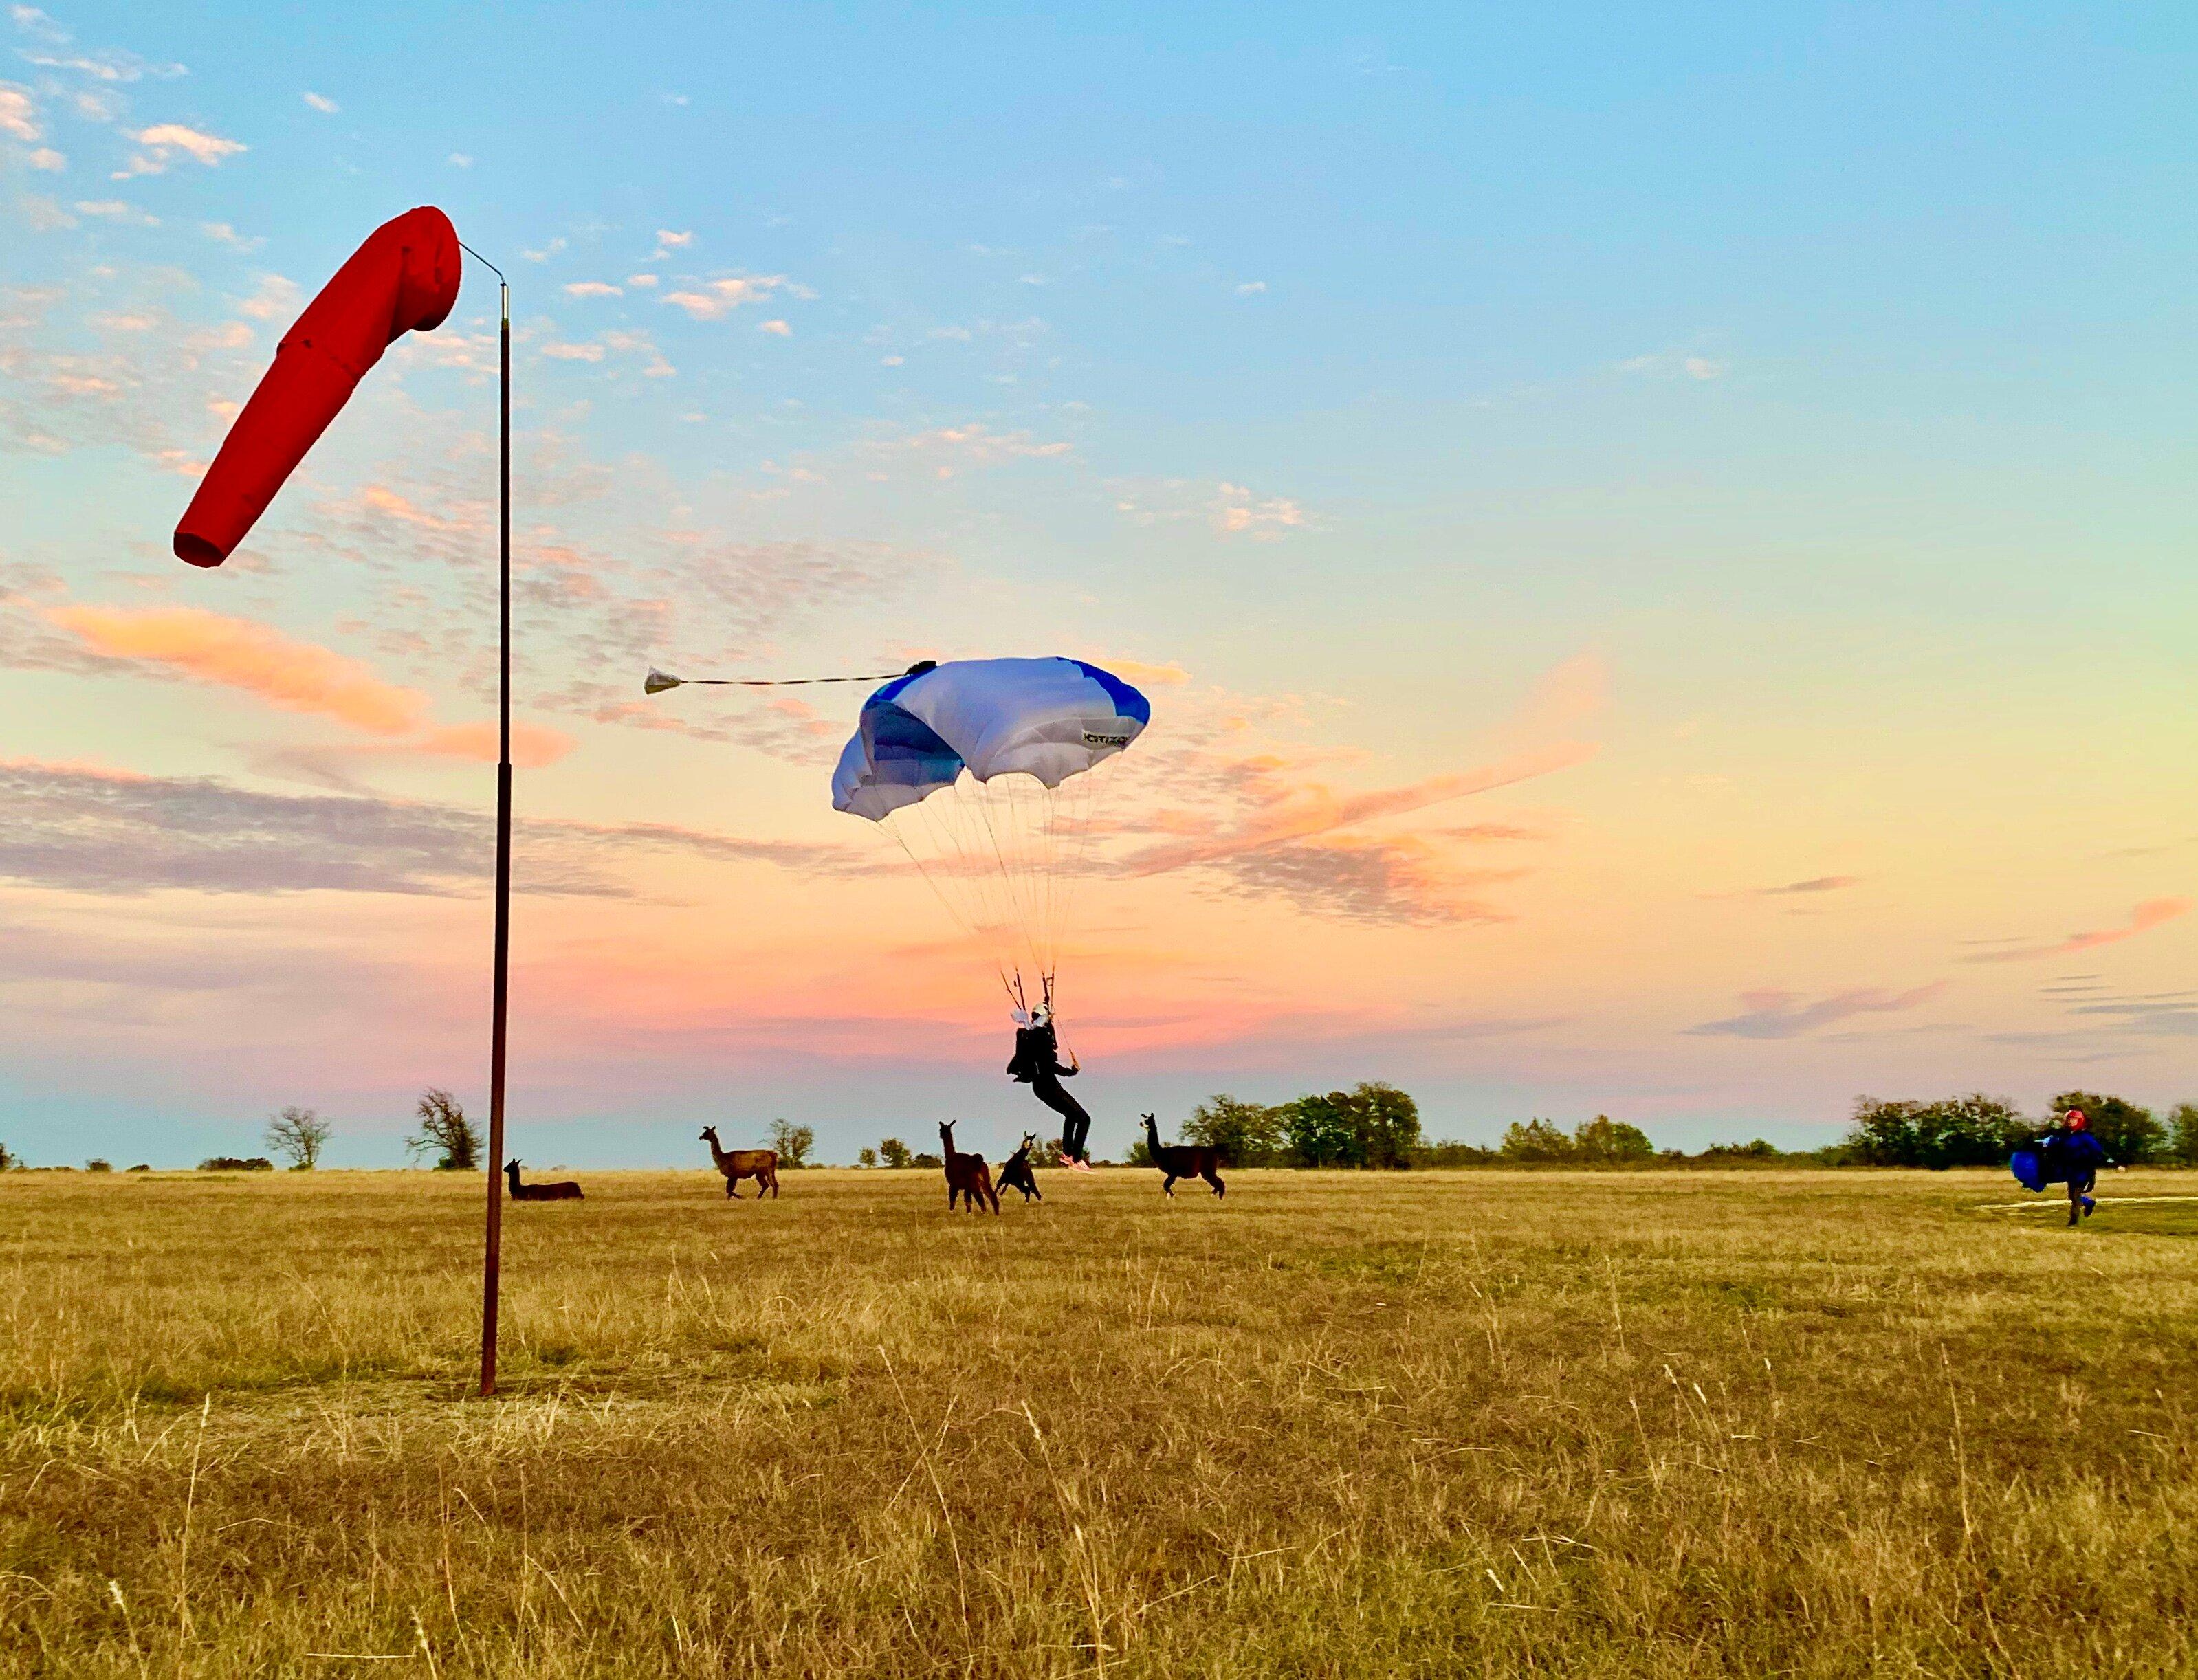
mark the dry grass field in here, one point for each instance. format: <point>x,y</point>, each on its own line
<point>1809,1423</point>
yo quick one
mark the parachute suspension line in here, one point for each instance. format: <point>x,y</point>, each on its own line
<point>949,776</point>
<point>954,908</point>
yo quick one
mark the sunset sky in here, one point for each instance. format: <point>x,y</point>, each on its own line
<point>1661,549</point>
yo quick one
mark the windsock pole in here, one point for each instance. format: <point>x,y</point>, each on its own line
<point>492,1247</point>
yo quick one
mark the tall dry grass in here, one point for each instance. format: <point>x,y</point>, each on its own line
<point>1705,1424</point>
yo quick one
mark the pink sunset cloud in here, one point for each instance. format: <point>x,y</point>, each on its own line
<point>250,657</point>
<point>2151,914</point>
<point>257,659</point>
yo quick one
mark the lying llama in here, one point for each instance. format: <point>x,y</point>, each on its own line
<point>967,1175</point>
<point>760,1165</point>
<point>564,1190</point>
<point>1183,1161</point>
<point>1016,1173</point>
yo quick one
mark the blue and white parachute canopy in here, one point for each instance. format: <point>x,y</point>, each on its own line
<point>1047,718</point>
<point>981,770</point>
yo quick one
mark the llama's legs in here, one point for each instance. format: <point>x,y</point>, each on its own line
<point>1213,1177</point>
<point>730,1189</point>
<point>1167,1187</point>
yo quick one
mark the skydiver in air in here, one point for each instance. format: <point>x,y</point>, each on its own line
<point>1036,1063</point>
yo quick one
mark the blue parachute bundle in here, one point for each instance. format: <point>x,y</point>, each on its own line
<point>2065,1157</point>
<point>2029,1169</point>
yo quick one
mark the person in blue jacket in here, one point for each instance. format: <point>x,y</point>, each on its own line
<point>2073,1156</point>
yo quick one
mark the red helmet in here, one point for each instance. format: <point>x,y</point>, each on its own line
<point>2076,1121</point>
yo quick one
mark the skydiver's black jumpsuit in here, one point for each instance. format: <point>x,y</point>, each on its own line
<point>1036,1063</point>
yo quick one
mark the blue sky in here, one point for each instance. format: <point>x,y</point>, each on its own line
<point>1810,383</point>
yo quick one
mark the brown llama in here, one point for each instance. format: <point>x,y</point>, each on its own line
<point>760,1165</point>
<point>1016,1173</point>
<point>967,1175</point>
<point>563,1190</point>
<point>1183,1161</point>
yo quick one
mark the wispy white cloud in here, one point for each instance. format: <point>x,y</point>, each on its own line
<point>322,104</point>
<point>1229,510</point>
<point>276,296</point>
<point>222,234</point>
<point>593,288</point>
<point>464,161</point>
<point>19,113</point>
<point>163,141</point>
<point>775,328</point>
<point>115,210</point>
<point>717,298</point>
<point>1673,365</point>
<point>42,213</point>
<point>1251,288</point>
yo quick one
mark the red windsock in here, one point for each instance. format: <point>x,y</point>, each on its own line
<point>404,277</point>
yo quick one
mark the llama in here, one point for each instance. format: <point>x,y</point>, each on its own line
<point>967,1175</point>
<point>565,1190</point>
<point>760,1165</point>
<point>1183,1161</point>
<point>1015,1172</point>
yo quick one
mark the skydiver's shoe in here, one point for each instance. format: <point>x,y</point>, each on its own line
<point>1080,1165</point>
<point>2090,1206</point>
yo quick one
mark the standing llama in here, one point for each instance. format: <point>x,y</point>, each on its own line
<point>1016,1173</point>
<point>760,1165</point>
<point>1183,1161</point>
<point>563,1190</point>
<point>967,1175</point>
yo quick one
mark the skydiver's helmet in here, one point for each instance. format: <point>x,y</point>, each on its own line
<point>1041,1015</point>
<point>2076,1121</point>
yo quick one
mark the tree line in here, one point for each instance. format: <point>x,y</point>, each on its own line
<point>1980,1131</point>
<point>1377,1127</point>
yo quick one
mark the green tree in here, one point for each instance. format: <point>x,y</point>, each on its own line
<point>1760,1150</point>
<point>1247,1134</point>
<point>1972,1130</point>
<point>1449,1152</point>
<point>794,1143</point>
<point>99,1164</point>
<point>1605,1140</point>
<point>2182,1135</point>
<point>299,1133</point>
<point>866,1156</point>
<point>1537,1141</point>
<point>2129,1134</point>
<point>444,1128</point>
<point>1385,1123</point>
<point>8,1160</point>
<point>1322,1131</point>
<point>894,1153</point>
